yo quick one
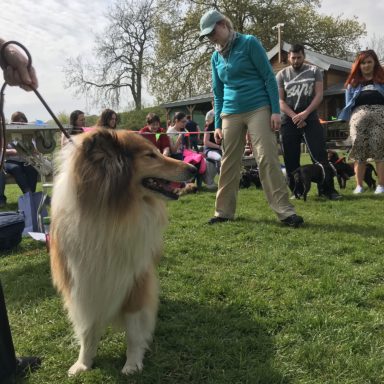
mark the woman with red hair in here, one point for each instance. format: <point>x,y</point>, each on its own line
<point>364,109</point>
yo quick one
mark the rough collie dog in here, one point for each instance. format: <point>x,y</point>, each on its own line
<point>108,218</point>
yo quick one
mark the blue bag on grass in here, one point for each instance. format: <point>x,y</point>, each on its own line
<point>11,228</point>
<point>29,205</point>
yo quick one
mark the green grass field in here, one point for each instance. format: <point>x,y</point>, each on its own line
<point>249,301</point>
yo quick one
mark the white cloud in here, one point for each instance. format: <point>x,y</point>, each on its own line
<point>370,12</point>
<point>52,31</point>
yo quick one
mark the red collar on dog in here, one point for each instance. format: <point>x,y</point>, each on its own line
<point>339,160</point>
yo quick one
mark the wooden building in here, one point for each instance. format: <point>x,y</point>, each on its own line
<point>196,106</point>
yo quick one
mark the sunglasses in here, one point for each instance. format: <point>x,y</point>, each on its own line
<point>210,34</point>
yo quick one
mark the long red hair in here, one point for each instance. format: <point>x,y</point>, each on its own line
<point>356,77</point>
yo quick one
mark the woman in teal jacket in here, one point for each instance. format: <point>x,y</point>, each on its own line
<point>245,98</point>
<point>364,109</point>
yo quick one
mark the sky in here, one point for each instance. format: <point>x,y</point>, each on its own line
<point>55,30</point>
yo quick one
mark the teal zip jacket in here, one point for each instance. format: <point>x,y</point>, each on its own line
<point>244,81</point>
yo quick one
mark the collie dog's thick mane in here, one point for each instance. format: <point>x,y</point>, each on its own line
<point>108,219</point>
<point>102,166</point>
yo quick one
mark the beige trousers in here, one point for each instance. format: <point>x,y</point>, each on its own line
<point>264,147</point>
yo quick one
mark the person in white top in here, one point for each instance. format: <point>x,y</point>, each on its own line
<point>177,140</point>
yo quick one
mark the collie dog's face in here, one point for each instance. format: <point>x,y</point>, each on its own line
<point>120,166</point>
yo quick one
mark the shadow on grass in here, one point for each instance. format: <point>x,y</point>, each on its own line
<point>353,228</point>
<point>364,196</point>
<point>203,344</point>
<point>27,245</point>
<point>194,343</point>
<point>28,284</point>
<point>376,230</point>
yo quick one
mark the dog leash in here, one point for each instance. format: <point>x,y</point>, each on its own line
<point>309,149</point>
<point>316,162</point>
<point>314,159</point>
<point>346,155</point>
<point>2,98</point>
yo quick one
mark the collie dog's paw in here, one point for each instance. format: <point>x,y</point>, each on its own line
<point>131,368</point>
<point>77,368</point>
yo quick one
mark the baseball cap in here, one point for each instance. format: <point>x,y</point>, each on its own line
<point>208,22</point>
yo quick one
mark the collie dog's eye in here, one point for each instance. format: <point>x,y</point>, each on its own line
<point>152,155</point>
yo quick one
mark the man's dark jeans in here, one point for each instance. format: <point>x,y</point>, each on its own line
<point>313,136</point>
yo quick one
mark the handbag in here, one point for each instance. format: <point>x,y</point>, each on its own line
<point>29,204</point>
<point>196,159</point>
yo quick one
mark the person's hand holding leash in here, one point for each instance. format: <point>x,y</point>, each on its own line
<point>18,70</point>
<point>15,68</point>
<point>301,124</point>
<point>218,135</point>
<point>300,118</point>
<point>275,122</point>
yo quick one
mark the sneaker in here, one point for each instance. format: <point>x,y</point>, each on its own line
<point>379,189</point>
<point>334,196</point>
<point>211,186</point>
<point>293,221</point>
<point>217,219</point>
<point>359,189</point>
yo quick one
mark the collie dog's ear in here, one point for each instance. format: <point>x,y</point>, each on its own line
<point>103,166</point>
<point>101,144</point>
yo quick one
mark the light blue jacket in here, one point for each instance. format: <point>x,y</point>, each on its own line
<point>351,94</point>
<point>245,80</point>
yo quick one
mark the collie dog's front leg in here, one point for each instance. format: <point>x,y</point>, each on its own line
<point>140,327</point>
<point>140,318</point>
<point>89,340</point>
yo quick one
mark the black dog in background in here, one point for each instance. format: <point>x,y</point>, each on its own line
<point>249,177</point>
<point>345,170</point>
<point>320,173</point>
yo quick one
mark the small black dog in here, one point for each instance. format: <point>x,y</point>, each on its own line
<point>321,173</point>
<point>368,176</point>
<point>346,170</point>
<point>250,176</point>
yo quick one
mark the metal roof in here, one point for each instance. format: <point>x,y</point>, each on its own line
<point>199,99</point>
<point>323,61</point>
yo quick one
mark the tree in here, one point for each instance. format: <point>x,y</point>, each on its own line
<point>122,53</point>
<point>377,44</point>
<point>182,63</point>
<point>63,118</point>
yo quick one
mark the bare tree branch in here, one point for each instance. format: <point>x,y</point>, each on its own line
<point>121,55</point>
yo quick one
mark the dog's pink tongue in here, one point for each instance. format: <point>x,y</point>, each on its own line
<point>175,184</point>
